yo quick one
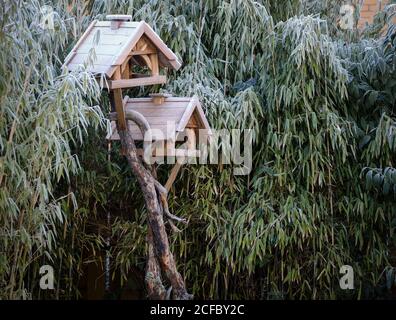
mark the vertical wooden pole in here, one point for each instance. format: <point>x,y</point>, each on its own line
<point>119,108</point>
<point>116,96</point>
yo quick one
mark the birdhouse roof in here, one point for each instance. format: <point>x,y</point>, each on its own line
<point>180,112</point>
<point>114,45</point>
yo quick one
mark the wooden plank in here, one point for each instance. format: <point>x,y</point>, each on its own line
<point>187,115</point>
<point>125,68</point>
<point>96,68</point>
<point>127,48</point>
<point>119,108</point>
<point>154,121</point>
<point>100,59</point>
<point>103,49</point>
<point>120,31</point>
<point>191,139</point>
<point>117,74</point>
<point>85,34</point>
<point>118,102</point>
<point>141,52</point>
<point>147,61</point>
<point>159,132</point>
<point>145,43</point>
<point>154,64</point>
<point>137,136</point>
<point>193,122</point>
<point>138,82</point>
<point>157,41</point>
<point>142,44</point>
<point>168,99</point>
<point>172,176</point>
<point>69,57</point>
<point>149,104</point>
<point>149,113</point>
<point>111,71</point>
<point>202,116</point>
<point>104,39</point>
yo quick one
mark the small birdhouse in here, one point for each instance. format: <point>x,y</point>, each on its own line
<point>127,53</point>
<point>171,119</point>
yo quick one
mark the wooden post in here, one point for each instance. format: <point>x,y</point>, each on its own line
<point>154,64</point>
<point>118,105</point>
<point>172,176</point>
<point>119,108</point>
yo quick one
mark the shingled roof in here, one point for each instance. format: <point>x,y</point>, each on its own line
<point>114,46</point>
<point>181,112</point>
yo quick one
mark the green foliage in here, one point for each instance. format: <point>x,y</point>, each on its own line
<point>321,105</point>
<point>44,114</point>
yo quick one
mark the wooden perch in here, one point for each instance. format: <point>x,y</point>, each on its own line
<point>130,83</point>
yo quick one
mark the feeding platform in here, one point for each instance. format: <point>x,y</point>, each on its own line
<point>170,119</point>
<point>179,112</point>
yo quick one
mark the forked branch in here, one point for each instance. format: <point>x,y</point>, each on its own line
<point>155,195</point>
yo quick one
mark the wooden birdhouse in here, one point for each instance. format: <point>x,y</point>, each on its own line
<point>128,54</point>
<point>171,119</point>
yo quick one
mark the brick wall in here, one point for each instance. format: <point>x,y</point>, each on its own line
<point>369,9</point>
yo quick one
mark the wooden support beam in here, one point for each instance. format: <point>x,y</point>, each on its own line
<point>139,75</point>
<point>136,82</point>
<point>119,108</point>
<point>172,176</point>
<point>125,68</point>
<point>147,61</point>
<point>140,52</point>
<point>191,139</point>
<point>117,102</point>
<point>117,73</point>
<point>72,53</point>
<point>154,64</point>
